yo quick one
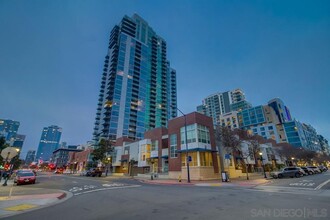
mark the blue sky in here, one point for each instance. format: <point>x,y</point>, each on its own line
<point>52,53</point>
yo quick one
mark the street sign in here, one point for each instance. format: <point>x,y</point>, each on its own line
<point>227,156</point>
<point>9,152</point>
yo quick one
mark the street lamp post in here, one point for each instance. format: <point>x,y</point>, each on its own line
<point>108,166</point>
<point>246,167</point>
<point>186,140</point>
<point>11,165</point>
<point>262,163</point>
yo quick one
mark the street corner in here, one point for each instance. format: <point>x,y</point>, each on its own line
<point>13,205</point>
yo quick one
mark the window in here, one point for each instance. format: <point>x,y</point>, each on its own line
<point>126,150</point>
<point>173,146</point>
<point>203,134</point>
<point>206,158</point>
<point>191,134</point>
<point>193,162</point>
<point>270,127</point>
<point>145,152</point>
<point>154,145</point>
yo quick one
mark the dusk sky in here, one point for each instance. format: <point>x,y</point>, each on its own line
<point>52,55</point>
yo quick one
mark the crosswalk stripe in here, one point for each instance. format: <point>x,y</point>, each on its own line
<point>101,189</point>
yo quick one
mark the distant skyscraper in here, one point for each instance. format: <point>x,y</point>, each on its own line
<point>49,142</point>
<point>8,130</point>
<point>30,157</point>
<point>222,103</point>
<point>138,87</point>
<point>19,141</point>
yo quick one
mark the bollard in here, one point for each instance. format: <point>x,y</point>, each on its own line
<point>180,178</point>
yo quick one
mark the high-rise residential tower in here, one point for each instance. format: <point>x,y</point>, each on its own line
<point>138,86</point>
<point>31,154</point>
<point>8,130</point>
<point>49,142</point>
<point>222,103</point>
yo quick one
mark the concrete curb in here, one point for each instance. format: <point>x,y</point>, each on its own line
<point>240,183</point>
<point>60,197</point>
<point>155,182</point>
<point>36,196</point>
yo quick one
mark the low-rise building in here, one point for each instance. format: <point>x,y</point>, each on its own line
<point>80,160</point>
<point>61,157</point>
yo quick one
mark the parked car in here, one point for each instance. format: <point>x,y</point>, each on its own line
<point>323,168</point>
<point>24,177</point>
<point>58,171</point>
<point>84,173</point>
<point>315,169</point>
<point>94,172</point>
<point>307,170</point>
<point>288,172</point>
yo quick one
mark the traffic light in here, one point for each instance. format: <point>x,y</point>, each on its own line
<point>6,167</point>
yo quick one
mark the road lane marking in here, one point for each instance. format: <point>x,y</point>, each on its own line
<point>20,207</point>
<point>304,192</point>
<point>322,184</point>
<point>113,184</point>
<point>101,189</point>
<point>76,188</point>
<point>301,184</point>
<point>282,188</point>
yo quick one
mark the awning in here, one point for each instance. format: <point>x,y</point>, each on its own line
<point>196,150</point>
<point>165,156</point>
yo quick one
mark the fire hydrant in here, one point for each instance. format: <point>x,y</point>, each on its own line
<point>180,178</point>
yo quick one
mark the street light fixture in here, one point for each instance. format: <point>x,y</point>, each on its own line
<point>186,140</point>
<point>108,166</point>
<point>262,163</point>
<point>10,152</point>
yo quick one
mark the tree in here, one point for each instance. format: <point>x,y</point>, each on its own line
<point>304,155</point>
<point>254,142</point>
<point>3,145</point>
<point>230,141</point>
<point>322,158</point>
<point>101,150</point>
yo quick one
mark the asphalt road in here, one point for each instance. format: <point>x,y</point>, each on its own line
<point>97,198</point>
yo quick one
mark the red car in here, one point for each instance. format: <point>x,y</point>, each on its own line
<point>25,177</point>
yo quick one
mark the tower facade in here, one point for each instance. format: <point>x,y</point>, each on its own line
<point>31,154</point>
<point>138,86</point>
<point>222,103</point>
<point>8,130</point>
<point>49,142</point>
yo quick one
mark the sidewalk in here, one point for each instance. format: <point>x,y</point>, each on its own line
<point>15,200</point>
<point>254,180</point>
